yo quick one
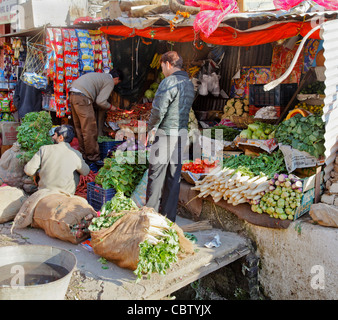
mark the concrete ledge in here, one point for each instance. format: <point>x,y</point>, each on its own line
<point>297,263</point>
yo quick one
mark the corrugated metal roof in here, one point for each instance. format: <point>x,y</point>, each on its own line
<point>262,17</point>
<point>330,35</point>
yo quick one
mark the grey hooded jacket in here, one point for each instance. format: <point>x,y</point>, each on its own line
<point>172,104</point>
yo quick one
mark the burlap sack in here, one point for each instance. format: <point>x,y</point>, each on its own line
<point>120,242</point>
<point>324,214</point>
<point>11,200</point>
<point>64,217</point>
<point>11,168</point>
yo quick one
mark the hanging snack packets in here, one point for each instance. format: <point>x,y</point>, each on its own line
<point>106,54</point>
<point>50,66</point>
<point>35,80</point>
<point>59,79</point>
<point>86,52</point>
<point>97,40</point>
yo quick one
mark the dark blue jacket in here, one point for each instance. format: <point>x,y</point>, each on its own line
<point>172,103</point>
<point>27,99</point>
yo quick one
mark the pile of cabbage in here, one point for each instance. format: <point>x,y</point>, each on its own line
<point>283,198</point>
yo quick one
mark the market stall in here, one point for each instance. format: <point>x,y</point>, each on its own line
<point>259,154</point>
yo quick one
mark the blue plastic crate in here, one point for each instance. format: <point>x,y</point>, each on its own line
<point>97,196</point>
<point>106,146</point>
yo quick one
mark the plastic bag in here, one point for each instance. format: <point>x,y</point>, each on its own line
<point>212,13</point>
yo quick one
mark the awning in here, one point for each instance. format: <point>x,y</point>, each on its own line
<point>25,33</point>
<point>226,35</point>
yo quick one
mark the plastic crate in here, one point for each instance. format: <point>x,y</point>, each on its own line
<point>106,146</point>
<point>279,96</point>
<point>97,196</point>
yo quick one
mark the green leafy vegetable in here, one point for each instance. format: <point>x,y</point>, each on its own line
<point>123,176</point>
<point>110,210</point>
<point>223,132</point>
<point>33,133</point>
<point>303,133</point>
<point>264,164</point>
<point>160,257</point>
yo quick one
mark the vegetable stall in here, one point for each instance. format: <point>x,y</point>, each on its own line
<point>270,144</point>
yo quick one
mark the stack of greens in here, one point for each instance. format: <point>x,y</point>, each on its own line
<point>159,256</point>
<point>259,130</point>
<point>264,164</point>
<point>221,132</point>
<point>33,133</point>
<point>303,133</point>
<point>123,176</point>
<point>109,210</point>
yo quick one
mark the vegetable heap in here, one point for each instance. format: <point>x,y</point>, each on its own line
<point>236,107</point>
<point>242,180</point>
<point>316,87</point>
<point>315,109</point>
<point>33,133</point>
<point>259,130</point>
<point>221,132</point>
<point>159,251</point>
<point>199,166</point>
<point>232,186</point>
<point>303,133</point>
<point>109,211</point>
<point>264,164</point>
<point>122,177</point>
<point>282,199</point>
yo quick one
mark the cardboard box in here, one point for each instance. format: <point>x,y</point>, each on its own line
<point>111,10</point>
<point>9,133</point>
<point>306,202</point>
<point>255,5</point>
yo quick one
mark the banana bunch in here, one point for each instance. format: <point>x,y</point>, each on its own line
<point>155,64</point>
<point>193,71</point>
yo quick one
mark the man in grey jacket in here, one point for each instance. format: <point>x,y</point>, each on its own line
<point>168,127</point>
<point>91,88</point>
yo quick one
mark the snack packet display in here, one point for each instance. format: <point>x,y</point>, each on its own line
<point>86,52</point>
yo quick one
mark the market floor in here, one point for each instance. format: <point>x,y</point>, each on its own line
<point>93,280</point>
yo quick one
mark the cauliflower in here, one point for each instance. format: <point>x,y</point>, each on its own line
<point>239,107</point>
<point>230,111</point>
<point>230,102</point>
<point>239,112</point>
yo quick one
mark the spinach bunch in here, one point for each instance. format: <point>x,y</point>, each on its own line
<point>103,221</point>
<point>123,177</point>
<point>158,258</point>
<point>33,133</point>
<point>264,164</point>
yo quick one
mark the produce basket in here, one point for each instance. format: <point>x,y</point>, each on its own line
<point>242,122</point>
<point>192,177</point>
<point>106,146</point>
<point>97,196</point>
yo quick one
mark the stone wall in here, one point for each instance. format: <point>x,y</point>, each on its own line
<point>297,263</point>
